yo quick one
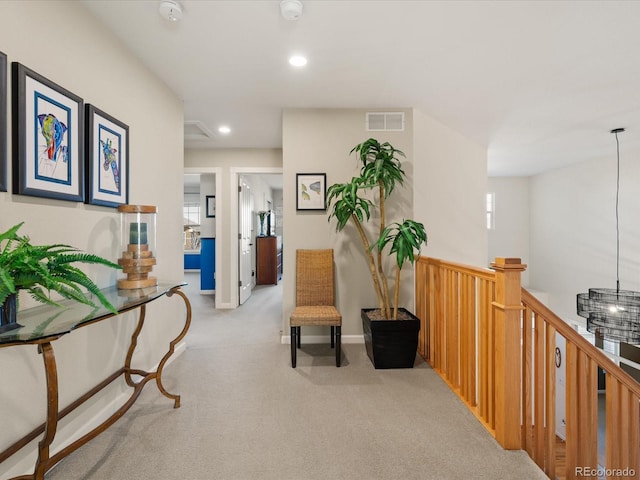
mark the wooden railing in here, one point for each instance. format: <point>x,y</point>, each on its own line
<point>495,345</point>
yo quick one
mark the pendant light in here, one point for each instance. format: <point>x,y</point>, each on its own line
<point>611,313</point>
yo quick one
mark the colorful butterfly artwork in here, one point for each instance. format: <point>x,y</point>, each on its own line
<point>110,160</point>
<point>305,195</point>
<point>53,131</point>
<point>311,191</point>
<point>314,187</point>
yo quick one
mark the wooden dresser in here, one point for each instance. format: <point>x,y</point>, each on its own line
<point>268,261</point>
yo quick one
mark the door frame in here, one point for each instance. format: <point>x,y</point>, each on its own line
<point>217,171</point>
<point>235,173</point>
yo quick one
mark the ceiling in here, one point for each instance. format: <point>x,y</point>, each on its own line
<point>539,83</point>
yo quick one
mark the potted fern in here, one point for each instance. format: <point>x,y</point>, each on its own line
<point>391,333</point>
<point>41,269</point>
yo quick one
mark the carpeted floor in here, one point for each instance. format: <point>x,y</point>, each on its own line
<point>247,415</point>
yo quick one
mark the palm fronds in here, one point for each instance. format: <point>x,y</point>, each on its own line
<point>381,169</point>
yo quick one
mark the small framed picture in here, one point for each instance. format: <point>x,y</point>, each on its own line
<point>48,138</point>
<point>107,159</point>
<point>211,206</point>
<point>3,122</point>
<point>311,191</point>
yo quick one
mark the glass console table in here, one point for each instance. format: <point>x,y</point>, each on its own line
<point>44,324</point>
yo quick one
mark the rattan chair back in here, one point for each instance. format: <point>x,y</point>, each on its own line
<point>314,278</point>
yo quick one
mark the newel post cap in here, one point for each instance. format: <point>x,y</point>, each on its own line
<point>507,263</point>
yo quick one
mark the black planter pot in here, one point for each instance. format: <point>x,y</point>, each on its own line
<point>9,314</point>
<point>391,343</point>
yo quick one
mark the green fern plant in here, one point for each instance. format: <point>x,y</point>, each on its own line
<point>42,269</point>
<point>382,171</point>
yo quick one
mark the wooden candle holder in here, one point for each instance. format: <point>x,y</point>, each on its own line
<point>138,234</point>
<point>137,262</point>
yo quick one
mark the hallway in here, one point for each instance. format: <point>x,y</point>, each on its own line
<point>247,414</point>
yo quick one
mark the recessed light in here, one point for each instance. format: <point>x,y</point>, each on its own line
<point>298,61</point>
<point>224,130</point>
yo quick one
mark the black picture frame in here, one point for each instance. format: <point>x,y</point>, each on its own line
<point>3,122</point>
<point>48,138</point>
<point>211,206</point>
<point>311,191</point>
<point>107,148</point>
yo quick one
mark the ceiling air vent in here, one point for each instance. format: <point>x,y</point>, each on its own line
<point>196,130</point>
<point>385,121</point>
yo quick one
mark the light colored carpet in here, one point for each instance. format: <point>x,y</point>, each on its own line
<point>246,414</point>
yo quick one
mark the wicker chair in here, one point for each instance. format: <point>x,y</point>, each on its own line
<point>315,298</point>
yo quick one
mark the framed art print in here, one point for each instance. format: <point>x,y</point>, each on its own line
<point>311,191</point>
<point>48,138</point>
<point>108,159</point>
<point>211,206</point>
<point>3,122</point>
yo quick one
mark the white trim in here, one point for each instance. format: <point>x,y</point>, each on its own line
<point>286,339</point>
<point>221,306</point>
<point>207,292</point>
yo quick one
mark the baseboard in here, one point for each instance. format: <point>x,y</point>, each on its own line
<point>286,339</point>
<point>25,458</point>
<point>222,306</point>
<point>207,292</point>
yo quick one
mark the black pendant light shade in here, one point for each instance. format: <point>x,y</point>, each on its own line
<point>612,314</point>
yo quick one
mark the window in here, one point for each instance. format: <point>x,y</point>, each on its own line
<point>191,221</point>
<point>191,213</point>
<point>491,209</point>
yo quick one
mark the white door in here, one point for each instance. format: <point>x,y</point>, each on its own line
<point>245,239</point>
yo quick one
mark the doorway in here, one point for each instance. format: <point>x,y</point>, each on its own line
<point>227,227</point>
<point>266,185</point>
<point>200,226</point>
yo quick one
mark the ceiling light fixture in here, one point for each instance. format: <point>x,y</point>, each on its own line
<point>291,9</point>
<point>612,314</point>
<point>170,10</point>
<point>225,130</point>
<point>298,61</point>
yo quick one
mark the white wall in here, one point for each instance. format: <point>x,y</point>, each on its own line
<point>573,233</point>
<point>261,193</point>
<point>319,141</point>
<point>445,189</point>
<point>510,237</point>
<point>73,50</point>
<point>278,207</point>
<point>450,185</point>
<point>572,239</point>
<point>207,188</point>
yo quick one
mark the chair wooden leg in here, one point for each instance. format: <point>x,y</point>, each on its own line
<point>293,346</point>
<point>332,335</point>
<point>338,345</point>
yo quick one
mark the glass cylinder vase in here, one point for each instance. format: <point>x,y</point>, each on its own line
<point>138,241</point>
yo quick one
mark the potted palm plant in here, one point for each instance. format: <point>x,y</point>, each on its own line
<point>41,269</point>
<point>391,333</point>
